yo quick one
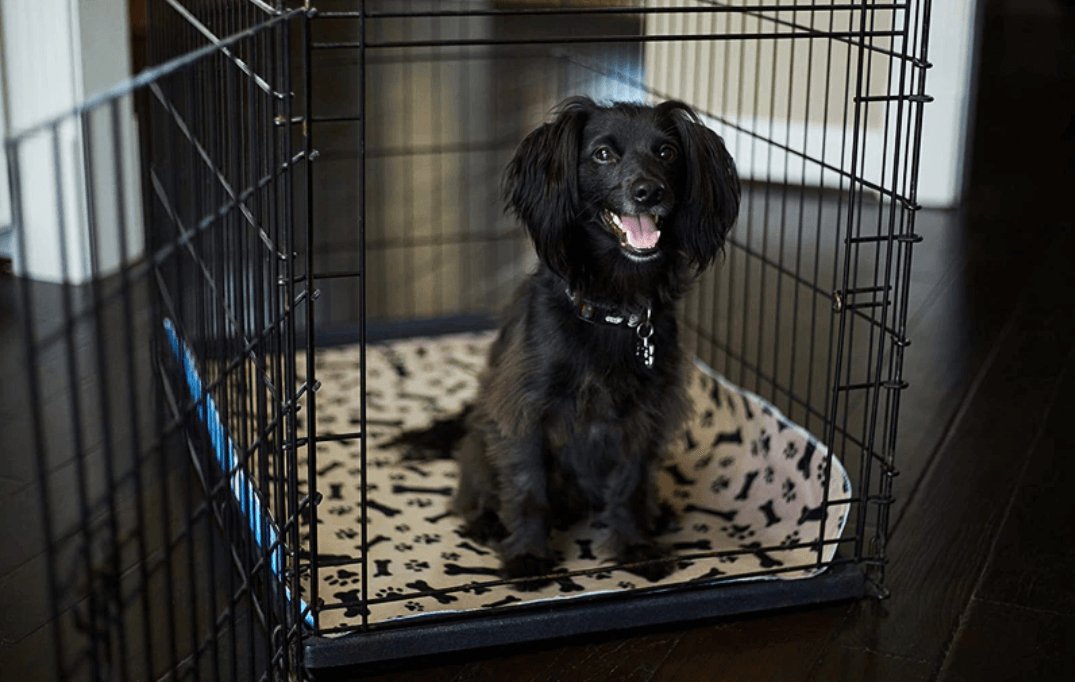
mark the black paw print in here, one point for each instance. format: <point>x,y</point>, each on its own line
<point>426,538</point>
<point>420,502</point>
<point>388,592</point>
<point>728,559</point>
<point>791,450</point>
<point>703,462</point>
<point>681,493</point>
<point>416,565</point>
<point>721,483</point>
<point>340,510</point>
<point>788,490</point>
<point>380,462</point>
<point>625,585</point>
<point>726,462</point>
<point>346,533</point>
<point>402,547</point>
<point>397,476</point>
<point>791,539</point>
<point>343,577</point>
<point>737,532</point>
<point>414,606</point>
<point>450,556</point>
<point>402,528</point>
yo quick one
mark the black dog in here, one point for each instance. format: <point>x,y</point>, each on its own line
<point>584,389</point>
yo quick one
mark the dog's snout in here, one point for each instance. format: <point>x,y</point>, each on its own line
<point>647,192</point>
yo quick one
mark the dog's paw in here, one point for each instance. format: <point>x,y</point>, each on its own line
<point>486,529</point>
<point>654,562</point>
<point>535,569</point>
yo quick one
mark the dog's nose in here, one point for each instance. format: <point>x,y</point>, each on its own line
<point>647,192</point>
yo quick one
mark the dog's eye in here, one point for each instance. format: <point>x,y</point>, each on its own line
<point>667,152</point>
<point>603,155</point>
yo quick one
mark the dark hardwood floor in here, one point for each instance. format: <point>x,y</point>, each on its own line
<point>983,534</point>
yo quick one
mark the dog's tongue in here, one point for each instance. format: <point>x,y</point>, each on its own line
<point>641,230</point>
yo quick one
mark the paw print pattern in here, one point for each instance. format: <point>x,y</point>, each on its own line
<point>700,528</point>
<point>726,462</point>
<point>426,539</point>
<point>703,462</point>
<point>343,578</point>
<point>346,533</point>
<point>625,585</point>
<point>788,490</point>
<point>728,558</point>
<point>413,606</point>
<point>416,565</point>
<point>737,532</point>
<point>450,556</point>
<point>388,592</point>
<point>420,502</point>
<point>403,528</point>
<point>720,483</point>
<point>402,547</point>
<point>791,450</point>
<point>791,539</point>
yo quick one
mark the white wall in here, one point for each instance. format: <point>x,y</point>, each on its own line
<point>56,53</point>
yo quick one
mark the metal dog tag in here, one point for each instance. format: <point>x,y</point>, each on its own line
<point>646,348</point>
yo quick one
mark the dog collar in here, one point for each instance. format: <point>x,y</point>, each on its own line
<point>615,316</point>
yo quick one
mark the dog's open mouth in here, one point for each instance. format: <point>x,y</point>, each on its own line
<point>638,234</point>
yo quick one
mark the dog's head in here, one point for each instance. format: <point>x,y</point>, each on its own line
<point>625,186</point>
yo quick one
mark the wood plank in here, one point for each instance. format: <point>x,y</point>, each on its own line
<point>1034,555</point>
<point>1003,642</point>
<point>844,664</point>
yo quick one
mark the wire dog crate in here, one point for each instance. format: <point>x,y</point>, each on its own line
<point>295,233</point>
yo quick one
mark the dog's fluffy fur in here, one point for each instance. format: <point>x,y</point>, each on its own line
<point>568,420</point>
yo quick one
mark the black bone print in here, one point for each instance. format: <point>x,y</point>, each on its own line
<point>382,568</point>
<point>764,558</point>
<point>377,539</point>
<point>471,548</point>
<point>510,599</point>
<point>811,514</point>
<point>335,491</point>
<point>711,573</point>
<point>353,600</point>
<point>431,591</point>
<point>726,515</point>
<point>397,363</point>
<point>746,408</point>
<point>733,438</point>
<point>567,584</point>
<point>585,549</point>
<point>689,438</point>
<point>747,483</point>
<point>678,476</point>
<point>714,394</point>
<point>456,569</point>
<point>771,518</point>
<point>436,518</point>
<point>383,508</point>
<point>699,545</point>
<point>416,470</point>
<point>804,462</point>
<point>398,489</point>
<point>332,466</point>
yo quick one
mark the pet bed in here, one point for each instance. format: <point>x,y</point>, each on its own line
<point>745,483</point>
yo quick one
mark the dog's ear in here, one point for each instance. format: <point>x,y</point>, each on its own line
<point>710,205</point>
<point>541,182</point>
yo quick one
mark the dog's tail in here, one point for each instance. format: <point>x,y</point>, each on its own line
<point>436,441</point>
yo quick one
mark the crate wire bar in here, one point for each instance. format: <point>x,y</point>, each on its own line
<point>295,188</point>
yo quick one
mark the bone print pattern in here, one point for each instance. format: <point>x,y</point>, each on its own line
<point>742,480</point>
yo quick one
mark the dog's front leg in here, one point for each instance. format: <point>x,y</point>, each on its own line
<point>524,508</point>
<point>629,509</point>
